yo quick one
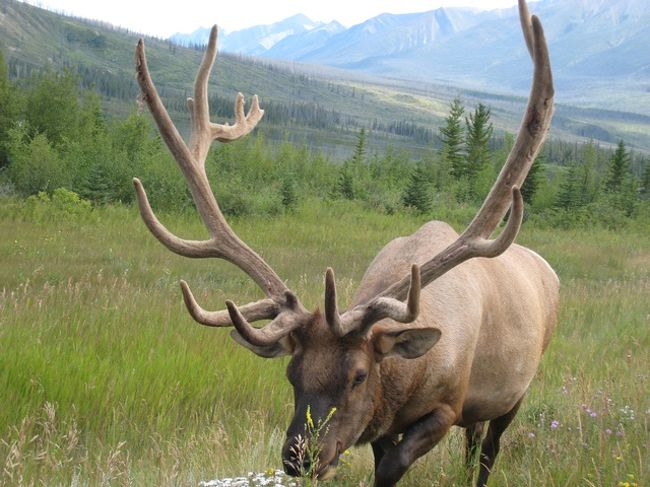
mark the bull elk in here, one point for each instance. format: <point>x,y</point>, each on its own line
<point>444,330</point>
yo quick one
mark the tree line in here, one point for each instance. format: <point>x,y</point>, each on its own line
<point>54,134</point>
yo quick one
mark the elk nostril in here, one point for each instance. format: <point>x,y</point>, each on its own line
<point>291,468</point>
<point>296,461</point>
<point>295,469</point>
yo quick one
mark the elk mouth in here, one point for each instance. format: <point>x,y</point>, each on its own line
<point>297,465</point>
<point>329,469</point>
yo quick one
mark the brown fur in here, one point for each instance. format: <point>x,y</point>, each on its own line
<point>495,317</point>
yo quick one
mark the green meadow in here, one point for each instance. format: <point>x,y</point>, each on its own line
<point>106,380</point>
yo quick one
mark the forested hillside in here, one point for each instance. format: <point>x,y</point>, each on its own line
<point>67,123</point>
<point>317,106</point>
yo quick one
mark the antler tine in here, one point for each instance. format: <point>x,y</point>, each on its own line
<point>244,124</point>
<point>204,131</point>
<point>526,26</point>
<point>530,138</point>
<point>150,96</point>
<point>331,307</point>
<point>363,316</point>
<point>474,242</point>
<point>189,248</point>
<point>259,310</point>
<point>281,326</point>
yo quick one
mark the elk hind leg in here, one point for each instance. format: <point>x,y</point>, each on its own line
<point>490,445</point>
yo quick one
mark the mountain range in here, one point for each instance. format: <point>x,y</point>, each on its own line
<point>599,48</point>
<point>261,40</point>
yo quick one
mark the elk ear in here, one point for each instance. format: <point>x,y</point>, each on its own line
<point>284,346</point>
<point>409,343</point>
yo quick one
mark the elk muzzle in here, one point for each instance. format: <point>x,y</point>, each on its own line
<point>305,457</point>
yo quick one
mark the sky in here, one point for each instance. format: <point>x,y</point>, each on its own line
<point>164,18</point>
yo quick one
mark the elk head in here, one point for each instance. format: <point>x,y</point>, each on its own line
<point>335,357</point>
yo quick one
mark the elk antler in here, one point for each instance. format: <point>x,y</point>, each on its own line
<point>378,309</point>
<point>281,305</point>
<point>474,241</point>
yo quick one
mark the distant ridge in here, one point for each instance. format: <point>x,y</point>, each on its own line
<point>598,47</point>
<point>253,41</point>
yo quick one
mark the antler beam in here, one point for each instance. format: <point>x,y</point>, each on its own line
<point>474,241</point>
<point>223,242</point>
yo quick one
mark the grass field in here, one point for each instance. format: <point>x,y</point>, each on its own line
<point>105,379</point>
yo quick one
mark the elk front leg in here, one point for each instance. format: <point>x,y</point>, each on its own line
<point>418,439</point>
<point>381,446</point>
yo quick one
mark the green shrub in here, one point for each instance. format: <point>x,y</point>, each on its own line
<point>34,164</point>
<point>63,205</point>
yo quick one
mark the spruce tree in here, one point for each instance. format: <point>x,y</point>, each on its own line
<point>618,169</point>
<point>645,182</point>
<point>345,183</point>
<point>452,136</point>
<point>569,195</point>
<point>8,109</point>
<point>589,182</point>
<point>417,194</point>
<point>289,193</point>
<point>97,187</point>
<point>533,180</point>
<point>479,132</point>
<point>359,154</point>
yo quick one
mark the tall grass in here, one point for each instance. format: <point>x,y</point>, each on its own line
<point>105,379</point>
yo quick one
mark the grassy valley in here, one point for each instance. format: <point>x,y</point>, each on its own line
<point>106,380</point>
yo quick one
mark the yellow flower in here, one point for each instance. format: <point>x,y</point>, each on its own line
<point>310,420</point>
<point>329,415</point>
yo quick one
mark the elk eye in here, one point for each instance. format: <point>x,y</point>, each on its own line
<point>360,378</point>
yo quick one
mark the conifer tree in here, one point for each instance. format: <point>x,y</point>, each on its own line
<point>589,186</point>
<point>8,109</point>
<point>452,136</point>
<point>345,183</point>
<point>533,180</point>
<point>569,195</point>
<point>479,132</point>
<point>645,182</point>
<point>417,194</point>
<point>618,169</point>
<point>97,186</point>
<point>289,193</point>
<point>359,154</point>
